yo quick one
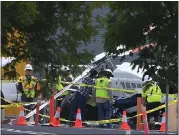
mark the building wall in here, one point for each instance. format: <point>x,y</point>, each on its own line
<point>15,35</point>
<point>8,75</point>
<point>97,42</point>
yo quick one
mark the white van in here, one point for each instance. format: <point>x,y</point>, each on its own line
<point>10,92</point>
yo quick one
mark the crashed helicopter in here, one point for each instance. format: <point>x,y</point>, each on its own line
<point>122,79</point>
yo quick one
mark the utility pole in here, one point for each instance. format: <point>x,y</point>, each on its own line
<point>166,108</point>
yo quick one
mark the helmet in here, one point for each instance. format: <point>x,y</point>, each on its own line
<point>65,68</point>
<point>149,82</point>
<point>108,71</point>
<point>28,67</point>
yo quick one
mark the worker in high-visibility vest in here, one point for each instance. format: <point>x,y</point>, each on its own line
<point>152,96</point>
<point>27,85</point>
<point>82,95</point>
<point>66,77</point>
<point>104,96</point>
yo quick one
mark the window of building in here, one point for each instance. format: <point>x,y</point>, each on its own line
<point>128,85</point>
<point>133,85</point>
<point>123,84</point>
<point>139,86</point>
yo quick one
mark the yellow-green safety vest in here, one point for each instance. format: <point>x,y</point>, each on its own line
<point>28,88</point>
<point>59,86</point>
<point>102,92</point>
<point>153,94</point>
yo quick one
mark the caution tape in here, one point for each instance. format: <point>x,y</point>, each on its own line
<point>114,89</point>
<point>17,104</point>
<point>101,121</point>
<point>157,108</point>
<point>12,104</point>
<point>119,119</point>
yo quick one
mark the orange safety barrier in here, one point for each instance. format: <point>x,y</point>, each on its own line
<point>144,116</point>
<point>37,112</point>
<point>51,108</point>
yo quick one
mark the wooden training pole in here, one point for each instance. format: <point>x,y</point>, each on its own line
<point>139,125</point>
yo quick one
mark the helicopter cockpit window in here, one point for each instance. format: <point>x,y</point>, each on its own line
<point>128,85</point>
<point>123,85</point>
<point>139,86</point>
<point>133,85</point>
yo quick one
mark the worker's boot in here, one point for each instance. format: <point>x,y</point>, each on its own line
<point>109,126</point>
<point>101,125</point>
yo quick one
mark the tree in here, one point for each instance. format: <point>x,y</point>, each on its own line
<point>49,33</point>
<point>16,16</point>
<point>137,23</point>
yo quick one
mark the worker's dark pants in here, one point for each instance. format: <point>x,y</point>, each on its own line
<point>79,102</point>
<point>163,109</point>
<point>59,100</point>
<point>62,103</point>
<point>104,110</point>
<point>155,114</point>
<point>25,99</point>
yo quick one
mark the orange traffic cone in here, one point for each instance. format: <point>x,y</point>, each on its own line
<point>78,122</point>
<point>21,119</point>
<point>124,125</point>
<point>162,128</point>
<point>55,121</point>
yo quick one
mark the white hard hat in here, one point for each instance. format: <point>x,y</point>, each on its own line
<point>65,68</point>
<point>108,70</point>
<point>28,67</point>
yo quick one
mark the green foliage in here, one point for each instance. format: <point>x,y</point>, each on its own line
<point>16,16</point>
<point>126,24</point>
<point>51,33</point>
<point>45,90</point>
